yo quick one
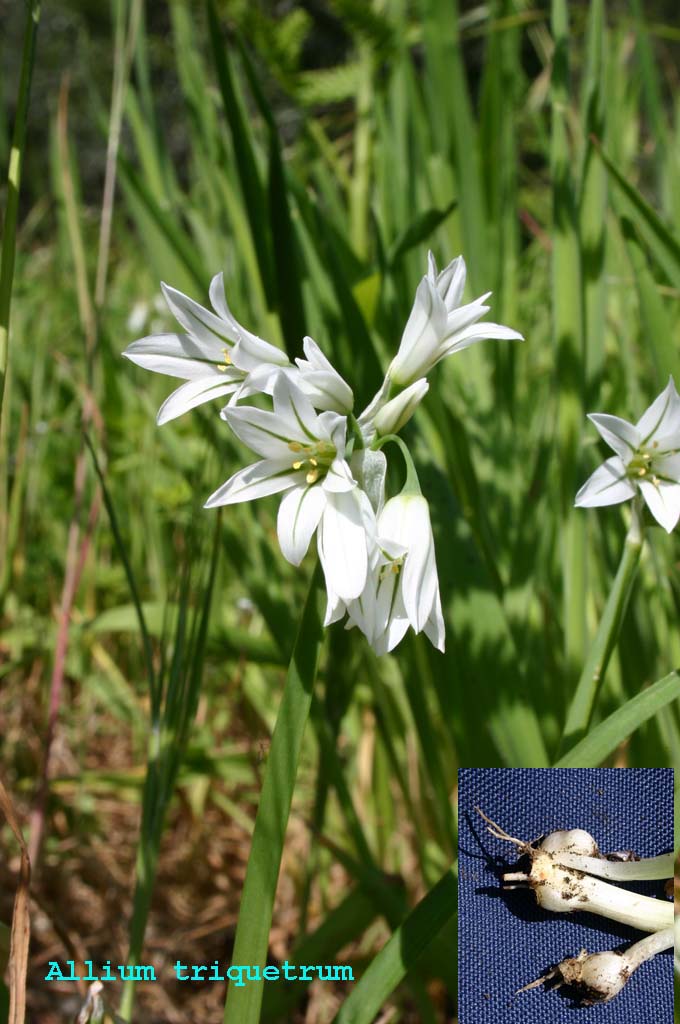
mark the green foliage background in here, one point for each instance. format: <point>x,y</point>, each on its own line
<point>314,153</point>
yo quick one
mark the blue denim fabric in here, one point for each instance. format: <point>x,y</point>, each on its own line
<point>506,940</point>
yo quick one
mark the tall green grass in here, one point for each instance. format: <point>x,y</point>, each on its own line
<point>545,150</point>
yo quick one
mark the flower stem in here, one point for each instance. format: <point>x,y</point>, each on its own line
<point>411,484</point>
<point>581,708</point>
<point>257,902</point>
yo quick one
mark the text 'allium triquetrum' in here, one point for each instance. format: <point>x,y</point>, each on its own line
<point>647,460</point>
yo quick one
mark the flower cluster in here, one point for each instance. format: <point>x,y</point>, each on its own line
<point>377,553</point>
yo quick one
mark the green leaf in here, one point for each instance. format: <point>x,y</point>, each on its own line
<point>419,230</point>
<point>257,901</point>
<point>410,940</point>
<point>604,738</point>
<point>663,245</point>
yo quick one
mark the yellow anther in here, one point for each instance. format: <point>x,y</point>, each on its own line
<point>223,367</point>
<point>655,481</point>
<point>313,462</point>
<point>295,446</point>
<point>642,472</point>
<point>298,465</point>
<point>395,567</point>
<point>312,476</point>
<point>655,444</point>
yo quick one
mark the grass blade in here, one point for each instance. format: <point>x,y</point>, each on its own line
<point>605,737</point>
<point>581,707</point>
<point>401,953</point>
<point>257,902</point>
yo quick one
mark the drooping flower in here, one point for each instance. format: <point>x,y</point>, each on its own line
<point>402,586</point>
<point>647,460</point>
<point>303,456</point>
<point>215,354</point>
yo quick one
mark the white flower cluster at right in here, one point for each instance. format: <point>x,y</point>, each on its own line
<point>377,553</point>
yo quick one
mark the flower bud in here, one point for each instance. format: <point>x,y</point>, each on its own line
<point>398,411</point>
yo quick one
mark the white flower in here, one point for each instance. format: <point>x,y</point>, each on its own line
<point>402,587</point>
<point>304,456</point>
<point>215,355</point>
<point>647,460</point>
<point>438,325</point>
<point>321,382</point>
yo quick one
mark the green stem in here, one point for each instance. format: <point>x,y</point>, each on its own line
<point>153,814</point>
<point>412,483</point>
<point>16,160</point>
<point>257,902</point>
<point>583,702</point>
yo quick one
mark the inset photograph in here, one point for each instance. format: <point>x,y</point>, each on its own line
<point>565,896</point>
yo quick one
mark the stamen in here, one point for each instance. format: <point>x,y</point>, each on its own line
<point>298,465</point>
<point>312,476</point>
<point>295,446</point>
<point>313,462</point>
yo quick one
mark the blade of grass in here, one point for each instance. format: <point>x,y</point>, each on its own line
<point>567,338</point>
<point>583,701</point>
<point>16,161</point>
<point>257,900</point>
<point>401,953</point>
<point>663,244</point>
<point>605,737</point>
<point>244,155</point>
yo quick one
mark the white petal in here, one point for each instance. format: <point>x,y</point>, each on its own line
<point>663,501</point>
<point>424,329</point>
<point>667,466</point>
<point>298,518</point>
<point>194,393</point>
<point>208,330</point>
<point>261,430</point>
<point>620,435</point>
<point>250,351</point>
<point>321,382</point>
<point>339,477</point>
<point>466,316</point>
<point>369,469</point>
<point>342,545</point>
<point>434,627</point>
<point>176,355</point>
<point>608,485</point>
<point>406,520</point>
<point>335,608</point>
<point>266,477</point>
<point>663,416</point>
<point>377,402</point>
<point>451,283</point>
<point>391,618</point>
<point>296,413</point>
<point>479,332</point>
